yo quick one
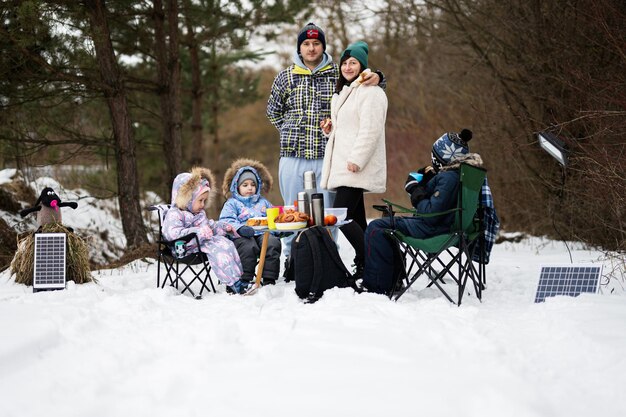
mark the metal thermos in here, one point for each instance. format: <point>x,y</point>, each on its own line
<point>310,187</point>
<point>303,203</point>
<point>317,209</point>
<point>309,181</point>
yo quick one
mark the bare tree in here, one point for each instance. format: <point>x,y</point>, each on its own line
<point>115,94</point>
<point>168,71</point>
<point>509,70</point>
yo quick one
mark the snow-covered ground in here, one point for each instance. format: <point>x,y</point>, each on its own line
<point>122,347</point>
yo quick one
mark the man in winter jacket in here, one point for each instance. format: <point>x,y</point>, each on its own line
<point>298,102</point>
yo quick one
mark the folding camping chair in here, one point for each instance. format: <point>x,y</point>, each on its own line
<point>177,261</point>
<point>464,241</point>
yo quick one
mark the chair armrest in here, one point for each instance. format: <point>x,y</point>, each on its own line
<point>439,213</point>
<point>380,207</point>
<point>386,210</point>
<point>187,238</point>
<point>402,209</point>
<point>172,244</point>
<point>399,208</point>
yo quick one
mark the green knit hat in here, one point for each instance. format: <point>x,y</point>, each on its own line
<point>357,50</point>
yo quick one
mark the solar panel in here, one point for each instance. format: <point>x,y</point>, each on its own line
<point>569,280</point>
<point>49,270</point>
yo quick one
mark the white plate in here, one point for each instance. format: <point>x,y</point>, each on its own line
<point>290,225</point>
<point>339,224</point>
<point>259,227</point>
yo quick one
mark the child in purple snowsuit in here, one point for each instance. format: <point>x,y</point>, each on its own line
<point>190,191</point>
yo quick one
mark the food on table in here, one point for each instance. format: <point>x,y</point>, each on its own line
<point>290,216</point>
<point>330,220</point>
<point>257,221</point>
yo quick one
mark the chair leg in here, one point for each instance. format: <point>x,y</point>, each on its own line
<point>445,269</point>
<point>459,268</point>
<point>207,270</point>
<point>469,271</point>
<point>201,273</point>
<point>424,267</point>
<point>437,278</point>
<point>187,285</point>
<point>169,273</point>
<point>158,270</point>
<point>461,275</point>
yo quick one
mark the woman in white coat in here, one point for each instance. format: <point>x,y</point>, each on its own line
<point>355,159</point>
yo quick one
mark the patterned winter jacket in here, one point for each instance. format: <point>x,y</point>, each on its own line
<point>238,209</point>
<point>179,221</point>
<point>298,101</point>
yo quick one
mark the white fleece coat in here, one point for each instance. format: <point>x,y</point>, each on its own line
<point>358,114</point>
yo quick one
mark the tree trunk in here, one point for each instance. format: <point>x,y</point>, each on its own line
<point>214,88</point>
<point>115,95</point>
<point>168,72</point>
<point>196,150</point>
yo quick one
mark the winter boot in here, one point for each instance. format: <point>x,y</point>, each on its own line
<point>287,274</point>
<point>269,281</point>
<point>239,287</point>
<point>358,267</point>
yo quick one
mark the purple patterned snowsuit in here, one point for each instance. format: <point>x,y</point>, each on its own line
<point>220,251</point>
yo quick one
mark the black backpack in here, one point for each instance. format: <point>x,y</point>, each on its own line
<point>315,264</point>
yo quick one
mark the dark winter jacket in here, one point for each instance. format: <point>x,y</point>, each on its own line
<point>441,194</point>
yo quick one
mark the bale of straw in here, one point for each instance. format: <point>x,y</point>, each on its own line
<point>22,265</point>
<point>77,259</point>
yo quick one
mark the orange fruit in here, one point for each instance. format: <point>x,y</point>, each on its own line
<point>330,220</point>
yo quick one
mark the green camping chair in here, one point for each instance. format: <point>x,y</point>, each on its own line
<point>452,252</point>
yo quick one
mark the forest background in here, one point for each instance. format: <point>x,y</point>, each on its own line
<point>141,90</point>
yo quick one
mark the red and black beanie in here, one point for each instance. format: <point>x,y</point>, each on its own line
<point>311,31</point>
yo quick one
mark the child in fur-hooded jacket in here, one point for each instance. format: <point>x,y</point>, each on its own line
<point>190,193</point>
<point>244,183</point>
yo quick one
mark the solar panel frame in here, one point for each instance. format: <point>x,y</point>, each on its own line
<point>567,279</point>
<point>49,272</point>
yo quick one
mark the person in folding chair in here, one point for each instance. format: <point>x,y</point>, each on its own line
<point>436,191</point>
<point>245,182</point>
<point>190,192</point>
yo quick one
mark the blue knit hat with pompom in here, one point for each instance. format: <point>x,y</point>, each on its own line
<point>450,146</point>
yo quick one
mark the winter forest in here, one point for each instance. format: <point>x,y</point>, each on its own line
<point>141,90</point>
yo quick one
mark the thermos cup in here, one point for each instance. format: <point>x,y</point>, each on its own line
<point>317,209</point>
<point>303,203</point>
<point>310,186</point>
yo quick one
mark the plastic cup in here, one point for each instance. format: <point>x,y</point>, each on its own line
<point>418,177</point>
<point>272,213</point>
